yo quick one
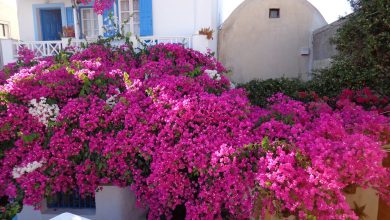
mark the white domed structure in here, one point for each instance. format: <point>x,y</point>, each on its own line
<point>268,39</point>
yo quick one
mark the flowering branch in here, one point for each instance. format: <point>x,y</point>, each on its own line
<point>99,6</point>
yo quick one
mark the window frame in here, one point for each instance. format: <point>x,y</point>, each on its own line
<point>95,28</point>
<point>272,11</point>
<point>131,11</point>
<point>5,29</point>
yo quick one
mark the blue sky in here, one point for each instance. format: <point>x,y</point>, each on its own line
<point>330,9</point>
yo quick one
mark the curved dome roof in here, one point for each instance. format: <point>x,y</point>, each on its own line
<point>245,3</point>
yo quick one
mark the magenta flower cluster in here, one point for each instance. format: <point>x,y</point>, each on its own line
<point>99,6</point>
<point>157,121</point>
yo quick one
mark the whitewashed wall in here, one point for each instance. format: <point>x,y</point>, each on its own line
<point>184,17</point>
<point>8,14</point>
<point>173,17</point>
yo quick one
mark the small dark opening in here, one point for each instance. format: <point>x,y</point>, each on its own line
<point>71,200</point>
<point>274,13</point>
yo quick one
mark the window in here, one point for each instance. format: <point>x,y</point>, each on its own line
<point>89,23</point>
<point>4,30</point>
<point>274,13</point>
<point>70,200</point>
<point>129,16</point>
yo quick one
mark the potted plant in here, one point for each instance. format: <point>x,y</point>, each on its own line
<point>208,32</point>
<point>202,39</point>
<point>68,33</point>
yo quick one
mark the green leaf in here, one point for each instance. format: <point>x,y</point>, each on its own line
<point>196,72</point>
<point>30,138</point>
<point>265,143</point>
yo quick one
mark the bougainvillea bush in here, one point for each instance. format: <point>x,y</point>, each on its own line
<point>166,122</point>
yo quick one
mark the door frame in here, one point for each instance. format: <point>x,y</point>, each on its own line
<point>37,20</point>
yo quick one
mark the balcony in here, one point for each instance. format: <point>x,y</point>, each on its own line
<point>9,48</point>
<point>52,48</point>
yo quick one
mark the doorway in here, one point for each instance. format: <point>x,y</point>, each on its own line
<point>51,24</point>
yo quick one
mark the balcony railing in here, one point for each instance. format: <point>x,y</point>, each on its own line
<point>41,48</point>
<point>52,48</point>
<point>186,41</point>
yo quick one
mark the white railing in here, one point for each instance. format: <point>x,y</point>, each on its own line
<point>48,48</point>
<point>41,48</point>
<point>52,48</point>
<point>186,41</point>
<point>77,42</point>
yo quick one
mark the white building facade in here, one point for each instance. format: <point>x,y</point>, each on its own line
<point>42,23</point>
<point>8,26</point>
<point>145,17</point>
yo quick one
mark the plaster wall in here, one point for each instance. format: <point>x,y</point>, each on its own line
<point>323,49</point>
<point>255,46</point>
<point>8,14</point>
<point>186,18</point>
<point>365,197</point>
<point>173,17</point>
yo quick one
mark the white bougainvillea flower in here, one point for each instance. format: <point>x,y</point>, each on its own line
<point>18,171</point>
<point>112,100</point>
<point>43,111</point>
<point>213,74</point>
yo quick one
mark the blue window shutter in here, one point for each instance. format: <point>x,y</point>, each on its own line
<point>146,17</point>
<point>69,16</point>
<point>107,23</point>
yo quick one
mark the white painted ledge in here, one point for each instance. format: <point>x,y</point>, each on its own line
<point>68,216</point>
